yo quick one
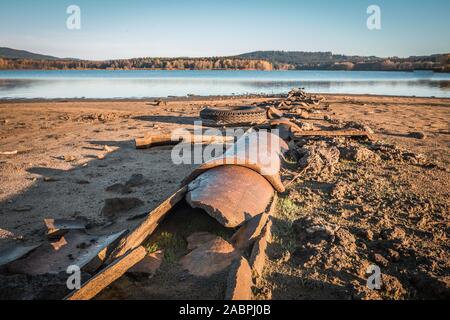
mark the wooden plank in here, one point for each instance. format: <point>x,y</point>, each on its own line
<point>335,133</point>
<point>155,140</point>
<point>108,275</point>
<point>9,153</point>
<point>148,226</point>
<point>166,140</point>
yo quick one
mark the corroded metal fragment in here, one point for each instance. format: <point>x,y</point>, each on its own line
<point>230,194</point>
<point>75,248</point>
<point>15,252</point>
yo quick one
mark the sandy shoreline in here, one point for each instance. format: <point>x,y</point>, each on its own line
<point>70,151</point>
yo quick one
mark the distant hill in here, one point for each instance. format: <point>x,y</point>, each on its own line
<point>9,53</point>
<point>289,57</point>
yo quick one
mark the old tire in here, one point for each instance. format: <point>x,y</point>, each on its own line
<point>239,115</point>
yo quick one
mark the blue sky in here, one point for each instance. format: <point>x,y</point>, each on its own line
<point>134,28</point>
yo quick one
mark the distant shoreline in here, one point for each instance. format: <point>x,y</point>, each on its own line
<point>201,98</point>
<point>231,70</point>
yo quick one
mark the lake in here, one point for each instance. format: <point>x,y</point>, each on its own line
<point>162,83</point>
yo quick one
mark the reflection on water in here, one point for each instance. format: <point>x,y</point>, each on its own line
<point>142,84</point>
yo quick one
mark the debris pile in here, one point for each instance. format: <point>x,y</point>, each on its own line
<point>296,99</point>
<point>242,206</point>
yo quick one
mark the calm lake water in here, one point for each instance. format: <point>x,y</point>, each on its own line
<point>143,83</point>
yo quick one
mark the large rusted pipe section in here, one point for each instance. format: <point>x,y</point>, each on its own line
<point>240,184</point>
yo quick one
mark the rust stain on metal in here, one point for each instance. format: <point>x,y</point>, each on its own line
<point>230,194</point>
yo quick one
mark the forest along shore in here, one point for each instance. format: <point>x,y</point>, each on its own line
<point>386,203</point>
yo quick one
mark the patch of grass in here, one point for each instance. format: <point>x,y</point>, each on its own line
<point>287,209</point>
<point>287,212</point>
<point>171,244</point>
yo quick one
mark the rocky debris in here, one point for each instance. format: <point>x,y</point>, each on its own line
<point>359,126</point>
<point>149,265</point>
<point>371,213</point>
<point>239,283</point>
<point>318,156</point>
<point>389,152</point>
<point>393,287</point>
<point>313,229</point>
<point>340,190</point>
<point>117,205</point>
<point>393,234</point>
<point>359,154</point>
<point>210,258</point>
<point>300,96</point>
<point>297,98</point>
<point>119,188</point>
<point>393,256</point>
<point>417,135</point>
<point>380,260</point>
<point>324,245</point>
<point>198,239</point>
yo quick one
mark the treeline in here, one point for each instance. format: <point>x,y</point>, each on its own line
<point>262,60</point>
<point>328,61</point>
<point>140,63</point>
<point>384,65</point>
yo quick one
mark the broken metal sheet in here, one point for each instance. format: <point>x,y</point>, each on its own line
<point>230,194</point>
<point>259,151</point>
<point>59,227</point>
<point>15,252</point>
<point>75,248</point>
